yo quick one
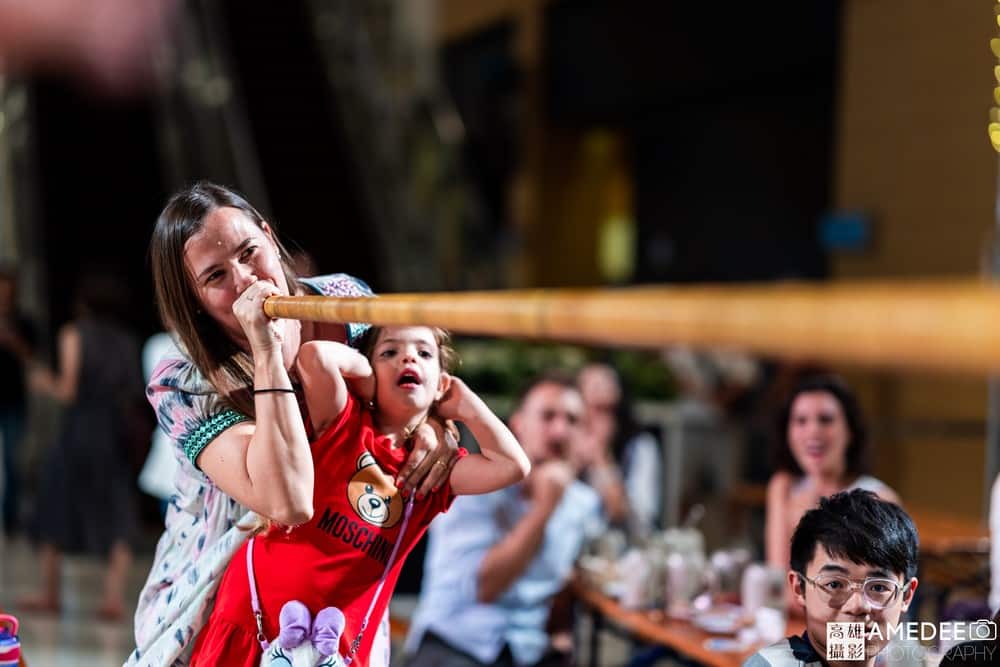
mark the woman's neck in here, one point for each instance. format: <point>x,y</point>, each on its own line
<point>829,482</point>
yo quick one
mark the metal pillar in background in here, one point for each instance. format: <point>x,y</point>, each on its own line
<point>405,138</point>
<point>203,124</point>
<point>21,242</point>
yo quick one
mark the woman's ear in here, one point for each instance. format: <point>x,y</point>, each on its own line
<point>266,228</point>
<point>444,384</point>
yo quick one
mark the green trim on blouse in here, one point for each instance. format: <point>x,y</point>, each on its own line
<point>209,431</point>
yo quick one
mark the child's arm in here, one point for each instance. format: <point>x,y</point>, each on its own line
<point>323,367</point>
<point>501,461</point>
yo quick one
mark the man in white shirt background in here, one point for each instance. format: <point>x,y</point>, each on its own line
<point>496,562</point>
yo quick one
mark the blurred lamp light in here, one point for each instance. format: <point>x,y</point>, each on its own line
<point>616,249</point>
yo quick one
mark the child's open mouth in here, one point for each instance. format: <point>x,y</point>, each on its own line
<point>408,380</point>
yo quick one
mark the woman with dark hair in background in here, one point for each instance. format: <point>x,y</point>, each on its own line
<point>85,500</point>
<point>821,450</point>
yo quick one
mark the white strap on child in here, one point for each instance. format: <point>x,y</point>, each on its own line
<point>356,643</point>
<point>254,602</point>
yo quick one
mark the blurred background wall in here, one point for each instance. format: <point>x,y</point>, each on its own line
<point>909,152</point>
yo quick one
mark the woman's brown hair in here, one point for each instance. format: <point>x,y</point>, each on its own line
<point>227,366</point>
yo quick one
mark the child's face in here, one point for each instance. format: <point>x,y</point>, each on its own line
<point>407,366</point>
<point>824,603</point>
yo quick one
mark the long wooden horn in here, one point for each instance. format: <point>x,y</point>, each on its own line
<point>937,325</point>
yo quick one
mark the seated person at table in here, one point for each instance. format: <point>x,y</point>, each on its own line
<point>822,450</point>
<point>854,560</point>
<point>496,562</point>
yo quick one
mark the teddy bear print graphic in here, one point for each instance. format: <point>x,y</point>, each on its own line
<point>373,495</point>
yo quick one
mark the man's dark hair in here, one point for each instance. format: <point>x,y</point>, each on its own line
<point>859,526</point>
<point>554,376</point>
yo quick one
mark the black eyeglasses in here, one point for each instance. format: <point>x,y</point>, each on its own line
<point>837,590</point>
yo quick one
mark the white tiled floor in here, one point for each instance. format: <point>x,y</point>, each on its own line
<point>74,638</point>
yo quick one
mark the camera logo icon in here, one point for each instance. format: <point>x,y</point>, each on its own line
<point>982,631</point>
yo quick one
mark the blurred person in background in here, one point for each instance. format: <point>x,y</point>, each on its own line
<point>994,521</point>
<point>821,447</point>
<point>17,343</point>
<point>85,500</point>
<point>214,260</point>
<point>617,457</point>
<point>156,477</point>
<point>994,524</point>
<point>495,563</point>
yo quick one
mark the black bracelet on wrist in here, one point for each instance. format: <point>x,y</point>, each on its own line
<point>274,390</point>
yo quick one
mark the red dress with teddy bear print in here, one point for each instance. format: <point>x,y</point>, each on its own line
<point>334,560</point>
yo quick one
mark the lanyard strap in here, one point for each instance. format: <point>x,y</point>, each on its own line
<point>356,643</point>
<point>254,601</point>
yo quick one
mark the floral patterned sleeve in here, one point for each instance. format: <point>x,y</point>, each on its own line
<point>187,407</point>
<point>341,284</point>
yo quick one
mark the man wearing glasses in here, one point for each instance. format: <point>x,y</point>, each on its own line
<point>853,561</point>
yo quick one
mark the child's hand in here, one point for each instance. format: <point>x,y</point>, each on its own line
<point>459,402</point>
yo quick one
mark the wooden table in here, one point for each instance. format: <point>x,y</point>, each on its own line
<point>946,533</point>
<point>656,628</point>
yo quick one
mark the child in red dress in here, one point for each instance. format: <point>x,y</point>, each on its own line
<point>349,554</point>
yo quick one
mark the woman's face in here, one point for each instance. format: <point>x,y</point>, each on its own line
<point>818,434</point>
<point>229,253</point>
